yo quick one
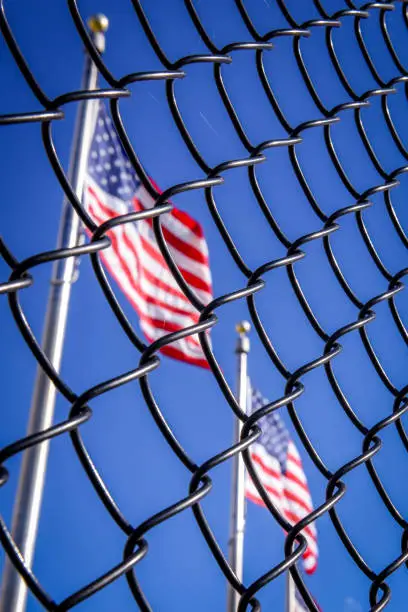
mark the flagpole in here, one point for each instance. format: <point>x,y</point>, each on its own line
<point>237,521</point>
<point>27,506</point>
<point>290,593</point>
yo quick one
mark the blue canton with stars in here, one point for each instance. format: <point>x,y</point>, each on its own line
<point>108,164</point>
<point>275,437</point>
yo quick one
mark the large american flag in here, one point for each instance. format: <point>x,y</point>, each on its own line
<point>279,468</point>
<point>113,188</point>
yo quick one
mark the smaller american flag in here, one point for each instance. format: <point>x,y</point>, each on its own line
<point>299,604</point>
<point>280,470</point>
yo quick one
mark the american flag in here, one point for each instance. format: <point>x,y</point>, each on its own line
<point>279,468</point>
<point>112,188</point>
<point>299,604</point>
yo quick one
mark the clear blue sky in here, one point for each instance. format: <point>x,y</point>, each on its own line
<point>77,539</point>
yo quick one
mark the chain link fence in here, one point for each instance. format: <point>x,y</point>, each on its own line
<point>353,102</point>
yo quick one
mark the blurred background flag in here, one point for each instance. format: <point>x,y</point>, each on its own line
<point>279,468</point>
<point>112,188</point>
<point>300,606</point>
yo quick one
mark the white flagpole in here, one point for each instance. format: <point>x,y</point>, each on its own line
<point>27,506</point>
<point>290,593</point>
<point>237,525</point>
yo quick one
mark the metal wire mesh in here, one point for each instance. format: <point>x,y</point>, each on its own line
<point>20,279</point>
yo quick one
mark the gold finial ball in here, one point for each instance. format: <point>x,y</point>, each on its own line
<point>243,327</point>
<point>98,23</point>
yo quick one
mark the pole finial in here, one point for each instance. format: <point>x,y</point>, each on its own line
<point>98,23</point>
<point>243,344</point>
<point>243,328</point>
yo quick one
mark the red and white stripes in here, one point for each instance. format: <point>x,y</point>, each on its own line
<point>135,261</point>
<point>289,493</point>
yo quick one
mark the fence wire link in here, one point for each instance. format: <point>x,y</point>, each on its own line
<point>21,279</point>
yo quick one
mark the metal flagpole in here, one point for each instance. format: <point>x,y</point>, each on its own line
<point>29,495</point>
<point>290,593</point>
<point>237,526</point>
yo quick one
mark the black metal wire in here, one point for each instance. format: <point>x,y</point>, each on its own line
<point>20,279</point>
